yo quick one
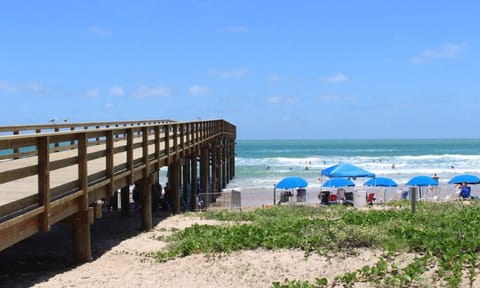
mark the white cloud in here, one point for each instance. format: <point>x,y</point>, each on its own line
<point>233,73</point>
<point>274,100</point>
<point>145,91</point>
<point>92,93</point>
<point>447,51</point>
<point>108,105</point>
<point>338,78</point>
<point>198,90</point>
<point>116,90</point>
<point>35,88</point>
<point>99,31</point>
<point>274,78</point>
<point>234,29</point>
<point>7,87</point>
<point>336,97</point>
<point>281,100</point>
<point>29,87</point>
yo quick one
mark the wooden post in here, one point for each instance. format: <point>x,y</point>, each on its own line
<point>82,251</point>
<point>130,155</point>
<point>186,179</point>
<point>204,175</point>
<point>114,201</point>
<point>193,167</point>
<point>146,185</point>
<point>215,168</point>
<point>157,149</point>
<point>223,169</point>
<point>44,180</point>
<point>109,162</point>
<point>232,159</point>
<point>56,143</point>
<point>125,201</point>
<point>174,185</point>
<point>167,143</point>
<point>413,198</point>
<point>72,143</point>
<point>15,149</point>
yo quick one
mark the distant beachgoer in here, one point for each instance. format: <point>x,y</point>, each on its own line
<point>435,177</point>
<point>393,166</point>
<point>268,167</point>
<point>453,167</point>
<point>306,167</point>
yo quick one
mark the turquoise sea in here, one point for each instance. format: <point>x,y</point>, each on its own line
<point>262,163</point>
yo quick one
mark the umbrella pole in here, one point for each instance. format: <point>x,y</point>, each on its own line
<point>384,195</point>
<point>274,195</point>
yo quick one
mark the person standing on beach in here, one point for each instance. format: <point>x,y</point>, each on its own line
<point>435,177</point>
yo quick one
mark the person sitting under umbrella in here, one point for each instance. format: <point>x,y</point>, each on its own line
<point>465,191</point>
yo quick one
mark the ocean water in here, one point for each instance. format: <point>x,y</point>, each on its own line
<point>262,163</point>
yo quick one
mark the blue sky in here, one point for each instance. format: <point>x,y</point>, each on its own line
<point>275,69</point>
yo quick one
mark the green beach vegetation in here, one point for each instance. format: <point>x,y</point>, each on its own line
<point>445,237</point>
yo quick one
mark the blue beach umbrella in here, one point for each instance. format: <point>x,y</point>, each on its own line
<point>464,178</point>
<point>422,181</point>
<point>292,182</point>
<point>338,182</point>
<point>381,182</point>
<point>346,170</point>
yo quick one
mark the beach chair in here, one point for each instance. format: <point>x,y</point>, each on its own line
<point>285,197</point>
<point>371,198</point>
<point>340,195</point>
<point>301,195</point>
<point>324,197</point>
<point>348,198</point>
<point>333,199</point>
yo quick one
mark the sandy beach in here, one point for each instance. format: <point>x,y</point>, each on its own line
<point>121,259</point>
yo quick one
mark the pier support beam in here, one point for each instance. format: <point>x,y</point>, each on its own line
<point>114,201</point>
<point>195,183</point>
<point>186,183</point>
<point>125,201</point>
<point>215,168</point>
<point>204,170</point>
<point>81,244</point>
<point>232,159</point>
<point>174,185</point>
<point>146,187</point>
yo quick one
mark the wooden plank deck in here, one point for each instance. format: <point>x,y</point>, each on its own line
<point>45,175</point>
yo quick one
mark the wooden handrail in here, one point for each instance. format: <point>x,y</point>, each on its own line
<point>169,142</point>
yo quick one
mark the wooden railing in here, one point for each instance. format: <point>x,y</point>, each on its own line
<point>44,175</point>
<point>63,127</point>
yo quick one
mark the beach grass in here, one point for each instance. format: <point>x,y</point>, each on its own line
<point>443,236</point>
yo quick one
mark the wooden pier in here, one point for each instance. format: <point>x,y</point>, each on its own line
<point>61,172</point>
